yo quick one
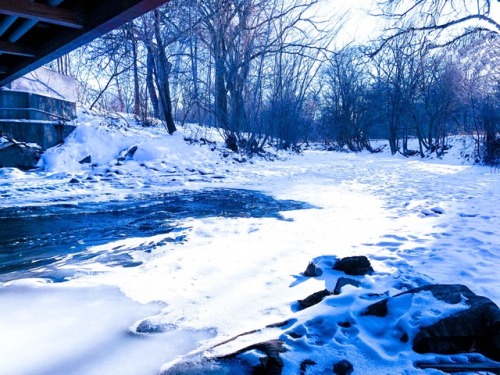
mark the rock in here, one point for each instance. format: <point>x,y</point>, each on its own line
<point>429,213</point>
<point>474,329</point>
<point>86,160</point>
<point>271,364</point>
<point>343,367</point>
<point>74,180</point>
<point>345,324</point>
<point>20,155</point>
<point>304,364</point>
<point>312,270</point>
<point>437,210</point>
<point>148,326</point>
<point>354,266</point>
<point>130,153</point>
<point>313,299</point>
<point>127,154</point>
<point>232,143</point>
<point>343,281</point>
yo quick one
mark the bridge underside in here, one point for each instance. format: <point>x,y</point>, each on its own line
<point>35,32</point>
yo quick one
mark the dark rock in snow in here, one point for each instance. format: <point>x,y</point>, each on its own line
<point>312,270</point>
<point>232,143</point>
<point>343,281</point>
<point>354,266</point>
<point>427,212</point>
<point>20,155</point>
<point>304,364</point>
<point>127,155</point>
<point>148,326</point>
<point>378,309</point>
<point>271,364</point>
<point>86,160</point>
<point>343,367</point>
<point>313,299</point>
<point>474,329</point>
<point>74,180</point>
<point>437,210</point>
<point>130,153</point>
<point>345,324</point>
<point>295,335</point>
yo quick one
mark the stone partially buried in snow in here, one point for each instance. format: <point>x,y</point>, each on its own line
<point>474,329</point>
<point>354,266</point>
<point>312,270</point>
<point>269,362</point>
<point>149,326</point>
<point>19,155</point>
<point>313,299</point>
<point>86,160</point>
<point>343,281</point>
<point>343,367</point>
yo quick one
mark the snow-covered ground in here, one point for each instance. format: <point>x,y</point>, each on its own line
<point>418,221</point>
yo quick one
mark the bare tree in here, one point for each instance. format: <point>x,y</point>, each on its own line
<point>398,72</point>
<point>345,113</point>
<point>443,21</point>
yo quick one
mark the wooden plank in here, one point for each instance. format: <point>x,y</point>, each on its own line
<point>16,49</point>
<point>39,12</point>
<point>461,367</point>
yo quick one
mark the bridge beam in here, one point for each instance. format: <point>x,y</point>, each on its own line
<point>16,49</point>
<point>40,12</point>
<point>94,19</point>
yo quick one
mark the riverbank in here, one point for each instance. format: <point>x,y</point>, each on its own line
<point>418,221</point>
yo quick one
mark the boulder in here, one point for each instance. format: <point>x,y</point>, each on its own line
<point>437,210</point>
<point>270,364</point>
<point>476,328</point>
<point>354,266</point>
<point>130,153</point>
<point>343,367</point>
<point>20,155</point>
<point>312,270</point>
<point>343,281</point>
<point>86,160</point>
<point>149,326</point>
<point>232,143</point>
<point>313,299</point>
<point>304,364</point>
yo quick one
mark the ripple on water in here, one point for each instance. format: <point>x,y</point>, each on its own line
<point>36,236</point>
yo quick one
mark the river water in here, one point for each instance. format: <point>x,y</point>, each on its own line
<point>35,237</point>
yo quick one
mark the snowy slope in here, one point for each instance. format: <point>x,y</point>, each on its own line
<point>418,221</point>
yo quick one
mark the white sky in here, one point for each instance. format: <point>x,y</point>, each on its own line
<point>360,26</point>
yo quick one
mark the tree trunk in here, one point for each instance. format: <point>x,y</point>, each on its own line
<point>137,98</point>
<point>150,67</point>
<point>220,93</point>
<point>163,67</point>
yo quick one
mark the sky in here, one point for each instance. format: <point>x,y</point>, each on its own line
<point>358,25</point>
<point>361,26</point>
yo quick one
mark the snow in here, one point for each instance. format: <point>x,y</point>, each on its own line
<point>47,82</point>
<point>419,221</point>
